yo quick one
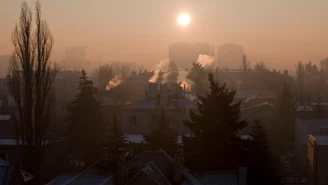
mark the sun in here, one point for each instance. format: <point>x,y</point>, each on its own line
<point>183,19</point>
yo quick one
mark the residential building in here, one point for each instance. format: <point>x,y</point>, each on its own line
<point>230,56</point>
<point>253,97</point>
<point>317,161</point>
<point>143,116</point>
<point>303,128</point>
<point>265,112</point>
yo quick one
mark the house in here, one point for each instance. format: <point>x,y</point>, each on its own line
<point>250,97</point>
<point>317,161</point>
<point>147,168</point>
<point>10,174</point>
<point>265,112</point>
<point>303,128</point>
<point>143,116</point>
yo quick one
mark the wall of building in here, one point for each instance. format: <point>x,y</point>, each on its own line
<point>145,120</point>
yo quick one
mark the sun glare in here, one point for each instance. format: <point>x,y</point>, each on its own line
<point>183,19</point>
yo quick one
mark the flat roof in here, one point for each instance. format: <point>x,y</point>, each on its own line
<point>320,140</point>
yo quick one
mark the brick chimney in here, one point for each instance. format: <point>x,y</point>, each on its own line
<point>177,167</point>
<point>163,95</point>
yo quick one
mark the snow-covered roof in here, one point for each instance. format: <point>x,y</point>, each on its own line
<point>26,176</point>
<point>304,127</point>
<point>10,141</point>
<point>134,138</point>
<point>320,140</point>
<point>255,93</point>
<point>263,104</point>
<point>5,117</point>
<point>304,108</point>
<point>139,138</point>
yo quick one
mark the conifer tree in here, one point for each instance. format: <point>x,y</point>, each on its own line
<point>283,129</point>
<point>261,167</point>
<point>198,75</point>
<point>163,136</point>
<point>86,123</point>
<point>115,137</point>
<point>215,144</point>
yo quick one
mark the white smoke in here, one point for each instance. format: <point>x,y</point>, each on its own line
<point>163,65</point>
<point>187,84</point>
<point>115,81</point>
<point>205,60</point>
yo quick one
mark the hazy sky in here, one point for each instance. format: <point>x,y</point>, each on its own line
<point>276,31</point>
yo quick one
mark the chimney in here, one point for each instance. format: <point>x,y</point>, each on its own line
<point>184,90</point>
<point>242,175</point>
<point>121,166</point>
<point>177,177</point>
<point>104,157</point>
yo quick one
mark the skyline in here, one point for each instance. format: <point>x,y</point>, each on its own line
<point>277,32</point>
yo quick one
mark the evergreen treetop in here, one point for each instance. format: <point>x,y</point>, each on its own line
<point>215,127</point>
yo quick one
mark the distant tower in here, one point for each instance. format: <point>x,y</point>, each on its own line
<point>230,56</point>
<point>183,53</point>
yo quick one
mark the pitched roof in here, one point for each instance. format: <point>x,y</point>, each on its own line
<point>62,179</point>
<point>5,167</point>
<point>149,166</point>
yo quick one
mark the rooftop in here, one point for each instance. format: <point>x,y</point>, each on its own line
<point>5,165</point>
<point>255,94</point>
<point>5,117</point>
<point>319,140</point>
<point>155,166</point>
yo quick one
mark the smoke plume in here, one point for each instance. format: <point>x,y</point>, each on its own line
<point>205,60</point>
<point>163,65</point>
<point>187,84</point>
<point>115,81</point>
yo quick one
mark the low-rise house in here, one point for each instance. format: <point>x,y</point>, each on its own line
<point>250,97</point>
<point>303,128</point>
<point>317,161</point>
<point>265,112</point>
<point>143,116</point>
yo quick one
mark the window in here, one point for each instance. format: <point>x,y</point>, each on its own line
<point>155,121</point>
<point>133,120</point>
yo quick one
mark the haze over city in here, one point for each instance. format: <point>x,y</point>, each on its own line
<point>278,32</point>
<point>163,92</point>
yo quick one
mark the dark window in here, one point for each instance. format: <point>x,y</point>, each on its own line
<point>133,120</point>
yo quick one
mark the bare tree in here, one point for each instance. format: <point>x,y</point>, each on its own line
<point>30,81</point>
